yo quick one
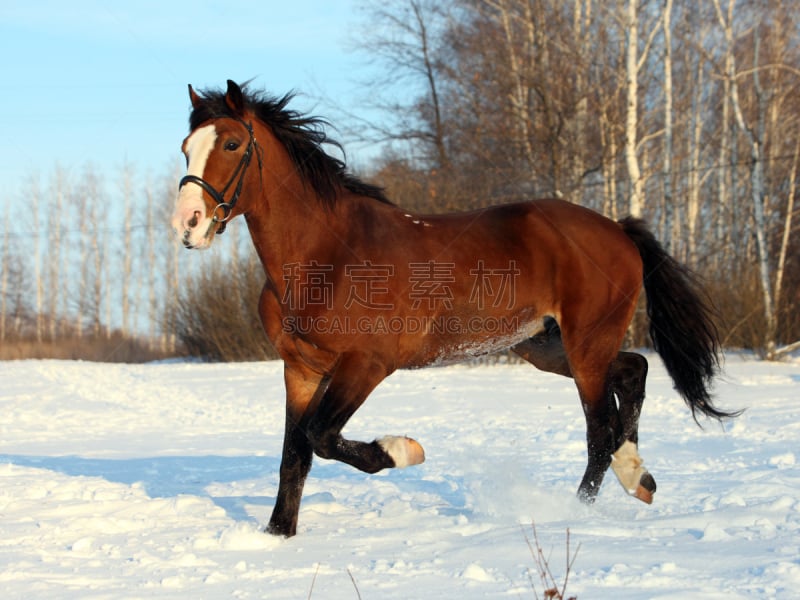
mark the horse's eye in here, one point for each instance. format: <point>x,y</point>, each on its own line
<point>231,146</point>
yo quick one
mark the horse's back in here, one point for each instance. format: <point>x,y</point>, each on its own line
<point>579,238</point>
<point>586,260</point>
<point>562,249</point>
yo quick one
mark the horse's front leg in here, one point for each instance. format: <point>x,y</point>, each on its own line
<point>353,380</point>
<point>317,409</point>
<point>303,388</point>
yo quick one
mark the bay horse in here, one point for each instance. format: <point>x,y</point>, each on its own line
<point>357,288</point>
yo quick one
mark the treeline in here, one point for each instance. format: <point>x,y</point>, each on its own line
<point>684,113</point>
<point>88,267</point>
<point>91,270</point>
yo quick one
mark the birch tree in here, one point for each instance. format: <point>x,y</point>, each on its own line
<point>634,62</point>
<point>87,198</point>
<point>667,165</point>
<point>787,231</point>
<point>754,137</point>
<point>755,134</point>
<point>5,263</point>
<point>97,241</point>
<point>34,195</point>
<point>581,33</point>
<point>127,248</point>
<point>57,255</point>
<point>518,54</point>
<point>694,143</point>
<point>632,66</point>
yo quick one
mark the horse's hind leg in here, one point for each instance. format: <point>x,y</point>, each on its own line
<point>627,379</point>
<point>547,351</point>
<point>611,429</point>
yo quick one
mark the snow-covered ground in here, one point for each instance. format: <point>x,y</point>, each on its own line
<point>155,481</point>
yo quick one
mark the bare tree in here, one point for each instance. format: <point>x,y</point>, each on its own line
<point>34,194</point>
<point>784,246</point>
<point>402,40</point>
<point>97,241</point>
<point>754,131</point>
<point>57,255</point>
<point>694,134</point>
<point>87,199</point>
<point>127,248</point>
<point>634,61</point>
<point>150,266</point>
<point>519,69</point>
<point>667,229</point>
<point>4,277</point>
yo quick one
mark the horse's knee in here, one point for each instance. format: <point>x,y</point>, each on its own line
<point>324,444</point>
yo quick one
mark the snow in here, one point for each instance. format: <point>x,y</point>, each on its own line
<point>132,481</point>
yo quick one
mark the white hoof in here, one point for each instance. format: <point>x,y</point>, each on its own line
<point>404,451</point>
<point>628,467</point>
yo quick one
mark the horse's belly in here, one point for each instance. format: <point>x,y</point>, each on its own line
<point>476,338</point>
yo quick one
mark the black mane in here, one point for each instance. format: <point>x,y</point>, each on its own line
<point>302,136</point>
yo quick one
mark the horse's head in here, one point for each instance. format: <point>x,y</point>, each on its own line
<point>220,148</point>
<point>218,151</point>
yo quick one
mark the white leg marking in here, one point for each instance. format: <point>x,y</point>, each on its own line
<point>627,466</point>
<point>404,451</point>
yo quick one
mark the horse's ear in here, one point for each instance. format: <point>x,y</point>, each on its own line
<point>194,97</point>
<point>234,98</point>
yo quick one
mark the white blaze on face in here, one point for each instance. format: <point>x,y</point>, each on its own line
<point>190,220</point>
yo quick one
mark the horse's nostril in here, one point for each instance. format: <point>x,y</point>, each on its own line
<point>194,220</point>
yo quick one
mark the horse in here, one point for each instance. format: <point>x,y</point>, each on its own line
<point>356,288</point>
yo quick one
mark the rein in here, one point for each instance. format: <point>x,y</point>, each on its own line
<point>219,196</point>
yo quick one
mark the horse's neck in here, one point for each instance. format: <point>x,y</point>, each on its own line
<point>291,227</point>
<point>275,216</point>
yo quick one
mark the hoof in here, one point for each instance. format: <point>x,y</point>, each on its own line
<point>278,531</point>
<point>635,479</point>
<point>646,488</point>
<point>404,451</point>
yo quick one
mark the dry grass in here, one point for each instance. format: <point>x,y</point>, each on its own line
<point>553,590</point>
<point>105,348</point>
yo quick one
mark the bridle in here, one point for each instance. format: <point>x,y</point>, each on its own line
<point>219,196</point>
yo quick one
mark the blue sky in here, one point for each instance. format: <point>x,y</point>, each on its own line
<point>102,82</point>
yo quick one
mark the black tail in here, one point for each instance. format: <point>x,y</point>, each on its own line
<point>681,324</point>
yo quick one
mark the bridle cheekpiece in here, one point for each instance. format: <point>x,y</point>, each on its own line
<point>219,196</point>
